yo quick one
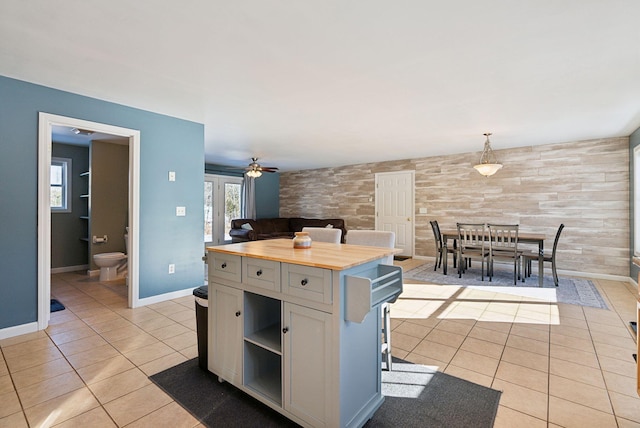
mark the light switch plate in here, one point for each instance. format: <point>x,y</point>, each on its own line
<point>172,176</point>
<point>181,211</point>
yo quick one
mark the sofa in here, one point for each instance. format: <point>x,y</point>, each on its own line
<point>244,229</point>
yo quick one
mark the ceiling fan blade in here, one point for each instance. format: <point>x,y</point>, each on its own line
<point>269,168</point>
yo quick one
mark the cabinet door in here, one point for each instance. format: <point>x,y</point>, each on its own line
<point>306,355</point>
<point>225,327</point>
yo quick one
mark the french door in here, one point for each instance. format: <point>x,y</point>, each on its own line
<point>222,203</point>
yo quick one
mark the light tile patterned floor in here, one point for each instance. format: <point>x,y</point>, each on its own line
<point>557,365</point>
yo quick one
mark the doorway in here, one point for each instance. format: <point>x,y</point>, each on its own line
<point>46,122</point>
<point>395,207</point>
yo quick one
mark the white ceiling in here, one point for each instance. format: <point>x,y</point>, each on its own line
<point>309,83</point>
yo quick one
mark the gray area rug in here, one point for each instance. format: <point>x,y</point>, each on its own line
<point>420,396</point>
<point>575,291</point>
<point>415,396</point>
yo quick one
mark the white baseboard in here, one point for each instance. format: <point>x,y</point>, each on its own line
<point>69,269</point>
<point>164,297</point>
<point>18,330</point>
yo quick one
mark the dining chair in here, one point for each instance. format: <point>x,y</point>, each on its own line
<point>440,247</point>
<point>530,256</point>
<point>386,239</point>
<point>471,245</point>
<point>503,247</point>
<point>324,234</point>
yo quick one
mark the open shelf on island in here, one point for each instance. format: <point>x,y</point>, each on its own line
<point>263,372</point>
<point>267,338</point>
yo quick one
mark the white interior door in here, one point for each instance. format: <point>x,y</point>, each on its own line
<point>394,207</point>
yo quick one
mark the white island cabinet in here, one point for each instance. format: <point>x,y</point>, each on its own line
<point>282,329</point>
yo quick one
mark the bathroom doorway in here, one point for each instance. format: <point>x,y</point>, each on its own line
<point>47,122</point>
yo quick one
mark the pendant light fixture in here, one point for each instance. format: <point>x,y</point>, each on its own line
<point>488,165</point>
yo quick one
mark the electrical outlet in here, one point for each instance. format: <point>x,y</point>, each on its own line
<point>172,176</point>
<point>172,268</point>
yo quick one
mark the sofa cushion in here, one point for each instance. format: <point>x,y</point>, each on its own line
<point>243,229</point>
<point>272,225</point>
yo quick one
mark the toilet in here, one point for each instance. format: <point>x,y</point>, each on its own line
<point>111,263</point>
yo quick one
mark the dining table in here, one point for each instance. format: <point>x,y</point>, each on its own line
<point>523,237</point>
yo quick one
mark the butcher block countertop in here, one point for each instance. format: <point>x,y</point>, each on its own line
<point>321,254</point>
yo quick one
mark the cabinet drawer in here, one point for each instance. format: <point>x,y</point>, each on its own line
<point>261,273</point>
<point>307,282</point>
<point>225,266</point>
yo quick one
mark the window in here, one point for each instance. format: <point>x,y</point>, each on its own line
<point>60,185</point>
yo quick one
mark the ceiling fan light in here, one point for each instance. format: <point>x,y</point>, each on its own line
<point>254,173</point>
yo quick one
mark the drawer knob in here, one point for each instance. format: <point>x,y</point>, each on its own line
<point>224,265</point>
<point>238,313</point>
<point>285,330</point>
<point>304,282</point>
<point>259,272</point>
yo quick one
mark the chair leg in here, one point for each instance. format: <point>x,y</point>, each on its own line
<point>386,331</point>
<point>555,273</point>
<point>435,267</point>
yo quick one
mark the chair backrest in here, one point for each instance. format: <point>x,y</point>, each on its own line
<point>555,242</point>
<point>324,234</point>
<point>373,238</point>
<point>436,234</point>
<point>471,236</point>
<point>504,238</point>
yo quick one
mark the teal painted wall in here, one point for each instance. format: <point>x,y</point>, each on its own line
<point>268,196</point>
<point>634,141</point>
<point>167,144</point>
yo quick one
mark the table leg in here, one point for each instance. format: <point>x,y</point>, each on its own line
<point>444,251</point>
<point>540,263</point>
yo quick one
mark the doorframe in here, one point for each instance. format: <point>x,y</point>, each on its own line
<point>46,121</point>
<point>412,173</point>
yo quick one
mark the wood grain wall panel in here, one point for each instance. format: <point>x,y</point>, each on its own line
<point>583,184</point>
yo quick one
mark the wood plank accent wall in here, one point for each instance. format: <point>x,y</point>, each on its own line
<point>583,184</point>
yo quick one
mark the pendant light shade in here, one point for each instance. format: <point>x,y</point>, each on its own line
<point>488,165</point>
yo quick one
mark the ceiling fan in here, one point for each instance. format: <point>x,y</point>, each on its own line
<point>255,169</point>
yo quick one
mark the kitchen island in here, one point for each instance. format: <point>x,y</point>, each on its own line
<point>299,329</point>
